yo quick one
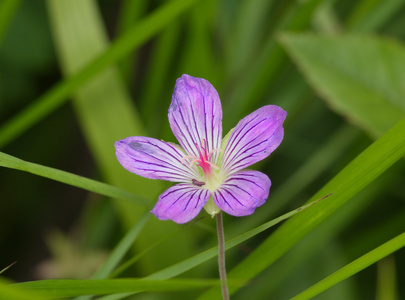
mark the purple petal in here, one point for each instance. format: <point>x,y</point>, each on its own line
<point>254,138</point>
<point>155,159</point>
<point>195,114</point>
<point>181,203</point>
<point>242,192</point>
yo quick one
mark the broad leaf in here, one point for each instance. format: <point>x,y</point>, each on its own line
<point>361,77</point>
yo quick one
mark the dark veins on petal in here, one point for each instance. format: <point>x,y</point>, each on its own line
<point>187,146</point>
<point>202,191</point>
<point>242,158</point>
<point>189,199</point>
<point>188,131</point>
<point>240,138</point>
<point>243,190</point>
<point>139,147</point>
<point>236,139</point>
<point>171,167</point>
<point>197,138</point>
<point>223,198</point>
<point>240,153</point>
<point>181,196</point>
<point>241,178</point>
<point>226,190</point>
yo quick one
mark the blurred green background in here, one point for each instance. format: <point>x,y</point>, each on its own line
<point>76,75</point>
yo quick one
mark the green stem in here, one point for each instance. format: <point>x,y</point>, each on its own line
<point>221,257</point>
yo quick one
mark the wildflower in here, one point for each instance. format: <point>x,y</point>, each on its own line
<point>211,170</point>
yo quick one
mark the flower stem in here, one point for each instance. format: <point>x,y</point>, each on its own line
<point>221,257</point>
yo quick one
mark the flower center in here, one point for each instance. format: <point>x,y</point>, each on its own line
<point>204,158</point>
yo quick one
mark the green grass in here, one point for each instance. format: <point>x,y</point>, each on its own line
<point>88,73</point>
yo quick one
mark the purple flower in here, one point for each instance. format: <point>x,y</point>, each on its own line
<point>211,170</point>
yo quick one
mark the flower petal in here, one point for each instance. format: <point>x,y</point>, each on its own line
<point>242,192</point>
<point>195,114</point>
<point>181,203</point>
<point>155,159</point>
<point>254,138</point>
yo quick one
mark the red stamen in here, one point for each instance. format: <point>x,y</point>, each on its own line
<point>204,159</point>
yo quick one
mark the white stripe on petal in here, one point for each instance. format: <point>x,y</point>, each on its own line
<point>254,138</point>
<point>181,203</point>
<point>155,159</point>
<point>242,192</point>
<point>195,114</point>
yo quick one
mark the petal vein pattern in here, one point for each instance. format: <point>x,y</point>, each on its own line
<point>181,203</point>
<point>155,159</point>
<point>254,138</point>
<point>195,114</point>
<point>242,192</point>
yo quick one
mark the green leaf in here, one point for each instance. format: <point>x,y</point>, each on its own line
<point>121,249</point>
<point>204,256</point>
<point>7,10</point>
<point>368,15</point>
<point>103,105</point>
<point>71,288</point>
<point>361,77</point>
<point>316,245</point>
<point>162,55</point>
<point>12,292</point>
<point>130,262</point>
<point>248,27</point>
<point>130,13</point>
<point>198,259</point>
<point>198,44</point>
<point>270,61</point>
<point>134,37</point>
<point>371,163</point>
<point>386,286</point>
<point>91,185</point>
<point>105,110</point>
<point>354,267</point>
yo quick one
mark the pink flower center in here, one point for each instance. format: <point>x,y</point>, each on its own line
<point>204,158</point>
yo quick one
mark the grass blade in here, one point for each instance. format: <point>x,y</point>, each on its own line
<point>12,292</point>
<point>138,34</point>
<point>198,259</point>
<point>7,10</point>
<point>354,267</point>
<point>202,257</point>
<point>121,249</point>
<point>70,288</point>
<point>88,184</point>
